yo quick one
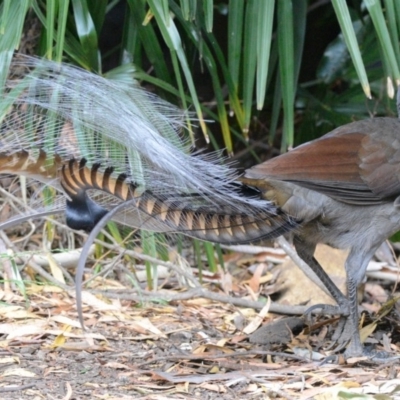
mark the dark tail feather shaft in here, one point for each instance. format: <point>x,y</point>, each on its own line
<point>189,216</point>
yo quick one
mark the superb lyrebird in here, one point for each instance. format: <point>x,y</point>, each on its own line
<point>80,133</point>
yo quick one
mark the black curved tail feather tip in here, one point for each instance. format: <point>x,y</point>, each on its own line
<point>82,213</point>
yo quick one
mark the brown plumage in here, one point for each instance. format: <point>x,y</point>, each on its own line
<point>223,226</point>
<point>341,189</point>
<point>344,188</point>
<point>358,163</point>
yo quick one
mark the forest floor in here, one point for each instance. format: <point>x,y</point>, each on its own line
<point>219,340</point>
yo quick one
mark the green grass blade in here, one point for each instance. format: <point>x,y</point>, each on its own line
<point>98,10</point>
<point>173,40</point>
<point>12,14</point>
<point>61,29</point>
<point>149,39</point>
<point>165,10</point>
<point>223,116</point>
<point>286,68</point>
<point>130,42</point>
<point>276,110</point>
<point>181,90</point>
<point>50,22</point>
<point>75,51</point>
<point>264,36</point>
<point>4,15</point>
<point>212,264</point>
<point>220,256</point>
<point>375,10</point>
<point>249,61</point>
<point>392,24</point>
<point>234,101</point>
<point>185,7</point>
<point>86,32</point>
<point>235,38</point>
<point>189,8</point>
<point>300,22</point>
<point>397,13</point>
<point>149,248</point>
<point>343,16</point>
<point>197,256</point>
<point>208,7</point>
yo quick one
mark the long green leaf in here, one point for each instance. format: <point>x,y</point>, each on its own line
<point>375,10</point>
<point>235,41</point>
<point>393,30</point>
<point>150,42</point>
<point>234,101</point>
<point>209,248</point>
<point>5,16</point>
<point>50,21</point>
<point>249,61</point>
<point>173,40</point>
<point>208,6</point>
<point>189,8</point>
<point>75,51</point>
<point>223,117</point>
<point>165,10</point>
<point>98,10</point>
<point>343,16</point>
<point>264,37</point>
<point>286,68</point>
<point>61,29</point>
<point>12,14</point>
<point>86,32</point>
<point>299,26</point>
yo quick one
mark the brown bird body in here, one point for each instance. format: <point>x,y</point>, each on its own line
<point>344,190</point>
<point>341,190</point>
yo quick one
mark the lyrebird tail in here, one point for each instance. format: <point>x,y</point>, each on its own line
<point>84,135</point>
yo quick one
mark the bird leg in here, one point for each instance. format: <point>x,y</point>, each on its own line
<point>347,330</point>
<point>306,251</point>
<point>350,329</point>
<point>356,265</point>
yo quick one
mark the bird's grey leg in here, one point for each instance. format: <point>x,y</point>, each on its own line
<point>356,266</point>
<point>306,252</point>
<point>343,332</point>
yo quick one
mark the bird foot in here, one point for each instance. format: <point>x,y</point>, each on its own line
<point>327,309</point>
<point>345,336</point>
<point>366,355</point>
<point>379,356</point>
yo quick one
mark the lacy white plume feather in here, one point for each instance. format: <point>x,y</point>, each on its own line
<point>70,112</point>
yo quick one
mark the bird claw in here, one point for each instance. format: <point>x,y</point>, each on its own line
<point>344,337</point>
<point>379,356</point>
<point>367,355</point>
<point>327,309</point>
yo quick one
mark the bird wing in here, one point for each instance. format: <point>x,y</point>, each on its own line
<point>358,163</point>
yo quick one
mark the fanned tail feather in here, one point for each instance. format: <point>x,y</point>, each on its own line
<point>61,124</point>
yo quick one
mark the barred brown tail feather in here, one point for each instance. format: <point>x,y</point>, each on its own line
<point>57,120</point>
<point>199,221</point>
<point>185,213</point>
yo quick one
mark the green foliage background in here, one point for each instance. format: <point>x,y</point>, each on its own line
<point>271,74</point>
<point>257,67</point>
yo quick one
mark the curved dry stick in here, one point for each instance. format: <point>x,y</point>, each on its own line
<point>85,252</point>
<point>13,222</point>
